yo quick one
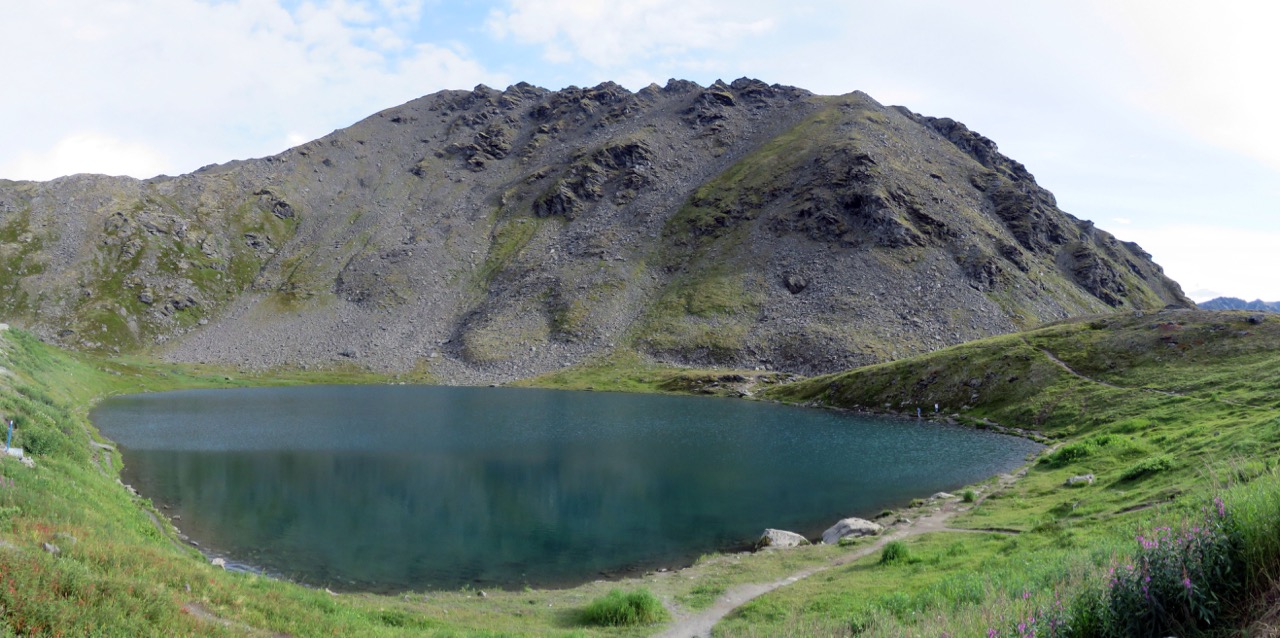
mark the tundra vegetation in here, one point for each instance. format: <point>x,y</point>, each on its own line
<point>1175,415</point>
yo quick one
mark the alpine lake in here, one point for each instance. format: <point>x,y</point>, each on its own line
<point>393,488</point>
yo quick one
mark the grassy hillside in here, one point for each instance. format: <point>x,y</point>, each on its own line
<point>1167,410</point>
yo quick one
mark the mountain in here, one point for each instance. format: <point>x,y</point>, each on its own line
<point>1233,303</point>
<point>486,235</point>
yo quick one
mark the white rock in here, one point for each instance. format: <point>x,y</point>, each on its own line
<point>780,539</point>
<point>1083,479</point>
<point>219,562</point>
<point>850,527</point>
<point>942,496</point>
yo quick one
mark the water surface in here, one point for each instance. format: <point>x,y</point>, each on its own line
<point>415,487</point>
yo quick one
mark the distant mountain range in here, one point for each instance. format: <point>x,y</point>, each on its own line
<point>1234,303</point>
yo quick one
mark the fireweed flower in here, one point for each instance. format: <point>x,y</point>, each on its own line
<point>1176,577</point>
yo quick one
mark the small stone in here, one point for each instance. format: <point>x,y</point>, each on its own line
<point>219,562</point>
<point>52,549</point>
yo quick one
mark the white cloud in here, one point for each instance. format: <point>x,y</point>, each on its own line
<point>409,10</point>
<point>1215,260</point>
<point>197,82</point>
<point>1207,67</point>
<point>616,34</point>
<point>88,152</point>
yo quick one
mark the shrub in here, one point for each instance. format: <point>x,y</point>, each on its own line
<point>895,552</point>
<point>624,609</point>
<point>1149,465</point>
<point>1068,454</point>
<point>1176,581</point>
<point>969,496</point>
<point>1075,452</point>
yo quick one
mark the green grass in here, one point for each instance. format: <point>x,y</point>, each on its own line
<point>624,609</point>
<point>895,552</point>
<point>1160,426</point>
<point>509,237</point>
<point>1148,466</point>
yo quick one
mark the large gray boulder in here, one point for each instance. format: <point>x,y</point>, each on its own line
<point>850,527</point>
<point>780,539</point>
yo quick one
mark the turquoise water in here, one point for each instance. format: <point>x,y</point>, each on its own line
<point>414,487</point>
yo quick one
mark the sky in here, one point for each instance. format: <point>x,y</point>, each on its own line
<point>1152,118</point>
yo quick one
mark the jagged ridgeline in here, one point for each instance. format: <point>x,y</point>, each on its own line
<point>485,235</point>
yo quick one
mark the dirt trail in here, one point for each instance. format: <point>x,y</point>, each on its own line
<point>1063,364</point>
<point>699,625</point>
<point>1167,393</point>
<point>101,453</point>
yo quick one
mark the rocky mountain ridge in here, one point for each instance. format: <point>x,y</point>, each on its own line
<point>1235,303</point>
<point>484,235</point>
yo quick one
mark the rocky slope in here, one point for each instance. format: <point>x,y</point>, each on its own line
<point>485,235</point>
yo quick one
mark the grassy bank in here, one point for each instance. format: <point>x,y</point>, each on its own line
<point>1166,411</point>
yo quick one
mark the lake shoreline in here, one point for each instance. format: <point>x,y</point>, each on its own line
<point>237,559</point>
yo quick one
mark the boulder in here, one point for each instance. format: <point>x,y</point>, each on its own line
<point>942,496</point>
<point>850,527</point>
<point>780,539</point>
<point>795,283</point>
<point>1083,479</point>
